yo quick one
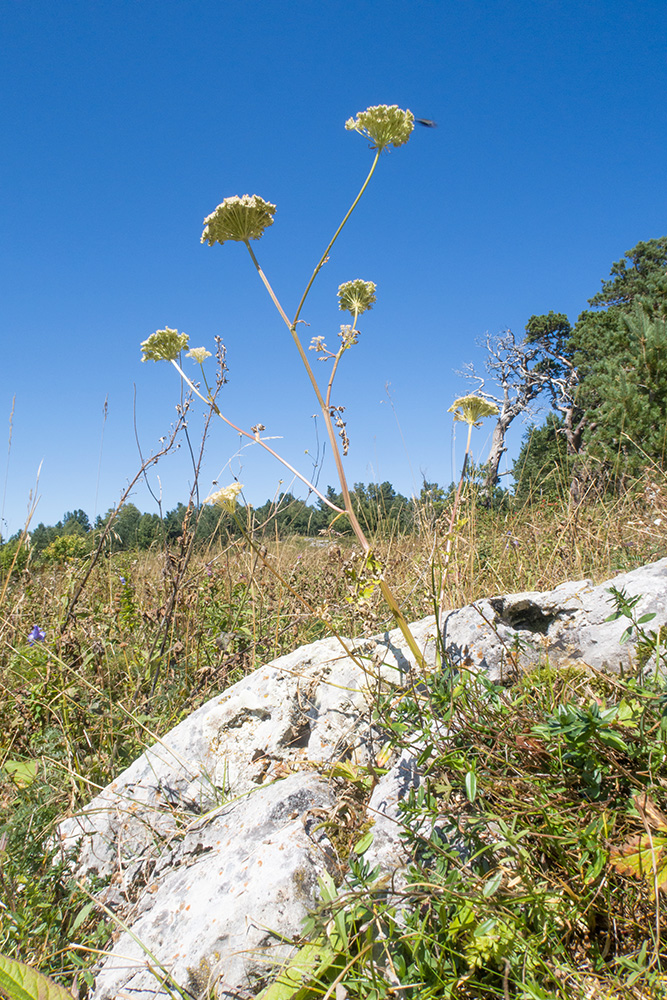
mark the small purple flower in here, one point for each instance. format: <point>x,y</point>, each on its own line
<point>36,634</point>
<point>123,580</point>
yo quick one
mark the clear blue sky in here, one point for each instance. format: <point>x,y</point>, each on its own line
<point>124,123</point>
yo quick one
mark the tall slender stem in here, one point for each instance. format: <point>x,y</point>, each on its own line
<point>452,520</point>
<point>335,237</point>
<point>397,614</point>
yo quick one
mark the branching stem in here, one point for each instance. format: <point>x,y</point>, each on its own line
<point>326,413</point>
<point>257,439</point>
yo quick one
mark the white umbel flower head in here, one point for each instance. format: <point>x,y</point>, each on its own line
<point>164,345</point>
<point>226,497</point>
<point>199,354</point>
<point>385,125</point>
<point>239,219</point>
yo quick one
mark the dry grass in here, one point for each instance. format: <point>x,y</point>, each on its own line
<point>153,636</point>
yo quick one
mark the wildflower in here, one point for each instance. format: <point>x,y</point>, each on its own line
<point>226,497</point>
<point>164,345</point>
<point>199,354</point>
<point>239,219</point>
<point>356,296</point>
<point>36,634</point>
<point>386,125</point>
<point>122,580</point>
<point>471,409</point>
<point>349,336</point>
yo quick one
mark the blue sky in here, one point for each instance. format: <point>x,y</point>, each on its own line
<point>126,123</point>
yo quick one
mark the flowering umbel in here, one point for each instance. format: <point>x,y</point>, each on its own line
<point>198,354</point>
<point>164,345</point>
<point>226,497</point>
<point>386,125</point>
<point>356,296</point>
<point>471,409</point>
<point>238,219</point>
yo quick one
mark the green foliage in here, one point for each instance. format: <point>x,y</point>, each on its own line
<point>14,555</point>
<point>631,386</point>
<point>607,378</point>
<point>635,275</point>
<point>43,910</point>
<point>42,536</point>
<point>288,516</point>
<point>379,507</point>
<point>543,467</point>
<point>21,982</point>
<point>523,833</point>
<point>124,527</point>
<point>575,732</point>
<point>76,522</point>
<point>66,547</point>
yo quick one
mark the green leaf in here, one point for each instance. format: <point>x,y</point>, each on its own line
<point>82,916</point>
<point>309,963</point>
<point>471,785</point>
<point>21,982</point>
<point>491,886</point>
<point>643,857</point>
<point>363,843</point>
<point>612,739</point>
<point>22,772</point>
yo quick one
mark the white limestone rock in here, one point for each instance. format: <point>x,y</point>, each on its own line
<point>500,634</point>
<point>216,835</point>
<point>210,902</point>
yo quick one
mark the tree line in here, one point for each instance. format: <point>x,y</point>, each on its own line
<point>380,508</point>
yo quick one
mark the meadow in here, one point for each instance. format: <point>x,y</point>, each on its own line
<point>87,684</point>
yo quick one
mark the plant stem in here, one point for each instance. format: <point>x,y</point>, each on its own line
<point>450,529</point>
<point>257,439</point>
<point>326,414</point>
<point>325,255</point>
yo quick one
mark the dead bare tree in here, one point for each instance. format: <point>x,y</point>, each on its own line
<point>515,368</point>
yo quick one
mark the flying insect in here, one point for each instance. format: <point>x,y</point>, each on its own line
<point>426,122</point>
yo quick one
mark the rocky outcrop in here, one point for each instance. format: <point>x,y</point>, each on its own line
<point>213,840</point>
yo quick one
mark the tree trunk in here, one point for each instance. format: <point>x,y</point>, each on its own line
<point>498,449</point>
